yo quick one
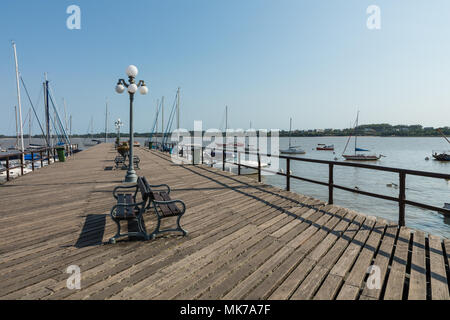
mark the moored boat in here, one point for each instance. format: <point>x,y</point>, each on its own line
<point>359,156</point>
<point>292,149</point>
<point>441,155</point>
<point>362,157</point>
<point>324,147</point>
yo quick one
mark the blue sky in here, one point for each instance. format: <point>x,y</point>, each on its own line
<point>268,60</point>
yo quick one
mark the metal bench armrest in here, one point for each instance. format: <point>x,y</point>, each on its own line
<point>124,187</point>
<point>161,185</point>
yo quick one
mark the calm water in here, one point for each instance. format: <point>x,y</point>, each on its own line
<point>408,153</point>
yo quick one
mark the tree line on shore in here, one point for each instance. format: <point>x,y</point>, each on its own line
<point>381,130</point>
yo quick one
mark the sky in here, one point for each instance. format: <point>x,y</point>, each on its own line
<point>313,60</point>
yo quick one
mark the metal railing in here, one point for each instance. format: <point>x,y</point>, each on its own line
<point>402,174</point>
<point>45,154</point>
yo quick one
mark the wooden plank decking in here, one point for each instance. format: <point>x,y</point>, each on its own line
<point>246,240</point>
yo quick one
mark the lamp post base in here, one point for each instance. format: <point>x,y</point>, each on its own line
<point>131,176</point>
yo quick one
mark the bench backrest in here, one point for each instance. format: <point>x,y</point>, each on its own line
<point>148,188</point>
<point>142,185</point>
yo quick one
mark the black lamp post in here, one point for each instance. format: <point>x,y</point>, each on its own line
<point>132,72</point>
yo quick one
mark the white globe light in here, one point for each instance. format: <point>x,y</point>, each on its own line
<point>120,88</point>
<point>132,88</point>
<point>143,90</point>
<point>132,71</point>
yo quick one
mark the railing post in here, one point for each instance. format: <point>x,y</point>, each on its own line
<point>330,183</point>
<point>288,174</point>
<point>239,163</point>
<point>54,155</point>
<point>224,150</point>
<point>7,169</point>
<point>259,167</point>
<point>192,153</point>
<point>22,155</point>
<point>401,199</point>
<point>203,150</point>
<point>32,161</point>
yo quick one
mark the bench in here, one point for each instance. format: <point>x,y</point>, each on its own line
<point>120,160</point>
<point>128,208</point>
<point>164,207</point>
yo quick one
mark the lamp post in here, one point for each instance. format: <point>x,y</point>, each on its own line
<point>118,124</point>
<point>132,72</point>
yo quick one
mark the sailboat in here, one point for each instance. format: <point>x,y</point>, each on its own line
<point>91,142</point>
<point>442,155</point>
<point>359,156</point>
<point>292,149</point>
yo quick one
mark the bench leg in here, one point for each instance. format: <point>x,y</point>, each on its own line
<point>118,235</point>
<point>179,226</point>
<point>141,233</point>
<point>158,230</point>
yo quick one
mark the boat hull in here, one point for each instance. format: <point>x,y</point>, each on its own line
<point>361,158</point>
<point>324,149</point>
<point>442,157</point>
<point>293,151</point>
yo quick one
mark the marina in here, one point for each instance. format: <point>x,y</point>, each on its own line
<point>146,154</point>
<point>247,240</point>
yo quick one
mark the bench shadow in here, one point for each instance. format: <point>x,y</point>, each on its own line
<point>92,232</point>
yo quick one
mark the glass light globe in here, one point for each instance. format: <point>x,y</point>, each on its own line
<point>132,88</point>
<point>143,90</point>
<point>120,88</point>
<point>132,71</point>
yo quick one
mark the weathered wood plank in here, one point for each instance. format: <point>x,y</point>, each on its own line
<point>418,277</point>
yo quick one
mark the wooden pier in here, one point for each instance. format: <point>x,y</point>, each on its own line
<point>247,240</point>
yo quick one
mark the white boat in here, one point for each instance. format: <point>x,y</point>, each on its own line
<point>292,149</point>
<point>358,156</point>
<point>90,141</point>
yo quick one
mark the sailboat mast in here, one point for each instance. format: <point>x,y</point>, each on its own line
<point>47,113</point>
<point>29,127</point>
<point>290,130</point>
<point>17,130</point>
<point>356,126</point>
<point>106,121</point>
<point>226,118</point>
<point>18,99</point>
<point>440,131</point>
<point>162,119</point>
<point>178,108</point>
